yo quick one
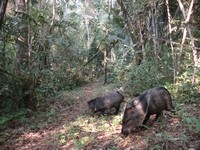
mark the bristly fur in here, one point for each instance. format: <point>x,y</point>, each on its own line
<point>108,101</point>
<point>152,101</point>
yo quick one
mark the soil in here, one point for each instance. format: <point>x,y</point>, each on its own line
<point>68,124</point>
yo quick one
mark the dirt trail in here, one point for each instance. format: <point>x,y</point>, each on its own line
<point>81,103</point>
<point>45,134</point>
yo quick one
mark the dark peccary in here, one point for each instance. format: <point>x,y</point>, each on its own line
<point>137,112</point>
<point>108,101</point>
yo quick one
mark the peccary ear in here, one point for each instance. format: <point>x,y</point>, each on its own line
<point>130,109</point>
<point>89,102</point>
<point>120,89</point>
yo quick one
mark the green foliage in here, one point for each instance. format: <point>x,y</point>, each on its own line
<point>52,112</point>
<point>79,144</point>
<point>6,118</point>
<point>164,138</point>
<point>62,138</point>
<point>197,124</point>
<point>185,91</point>
<point>16,92</point>
<point>116,121</point>
<point>143,76</point>
<point>74,132</point>
<point>191,122</point>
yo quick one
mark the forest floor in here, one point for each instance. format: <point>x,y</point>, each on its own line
<point>68,124</point>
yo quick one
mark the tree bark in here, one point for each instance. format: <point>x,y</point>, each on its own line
<point>170,40</point>
<point>142,43</point>
<point>186,30</point>
<point>23,55</point>
<point>3,5</point>
<point>105,64</point>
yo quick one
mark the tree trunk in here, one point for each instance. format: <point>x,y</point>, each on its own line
<point>3,56</point>
<point>142,43</point>
<point>186,30</point>
<point>105,64</point>
<point>170,40</point>
<point>3,5</point>
<point>129,23</point>
<point>23,54</point>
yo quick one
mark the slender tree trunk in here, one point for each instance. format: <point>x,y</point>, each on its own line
<point>154,29</point>
<point>88,32</point>
<point>53,12</point>
<point>130,28</point>
<point>4,48</point>
<point>171,42</point>
<point>32,101</point>
<point>142,44</point>
<point>186,30</point>
<point>180,56</point>
<point>105,64</point>
<point>3,5</point>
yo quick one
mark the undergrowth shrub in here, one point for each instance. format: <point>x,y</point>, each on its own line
<point>191,121</point>
<point>144,76</point>
<point>186,91</point>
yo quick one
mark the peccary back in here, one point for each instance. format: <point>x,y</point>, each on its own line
<point>108,101</point>
<point>152,101</point>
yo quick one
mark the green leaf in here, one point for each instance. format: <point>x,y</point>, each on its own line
<point>52,111</point>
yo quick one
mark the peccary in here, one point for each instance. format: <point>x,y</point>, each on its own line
<point>108,101</point>
<point>137,112</point>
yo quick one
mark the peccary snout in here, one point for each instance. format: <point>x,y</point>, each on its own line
<point>108,101</point>
<point>137,112</point>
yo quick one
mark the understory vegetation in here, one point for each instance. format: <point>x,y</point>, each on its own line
<point>56,55</point>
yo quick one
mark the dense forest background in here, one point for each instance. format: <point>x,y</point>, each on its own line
<point>59,45</point>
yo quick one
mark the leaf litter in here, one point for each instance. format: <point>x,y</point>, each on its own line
<point>67,124</point>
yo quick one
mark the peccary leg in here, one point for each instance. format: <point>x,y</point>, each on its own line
<point>146,119</point>
<point>157,115</point>
<point>117,110</point>
<point>102,111</point>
